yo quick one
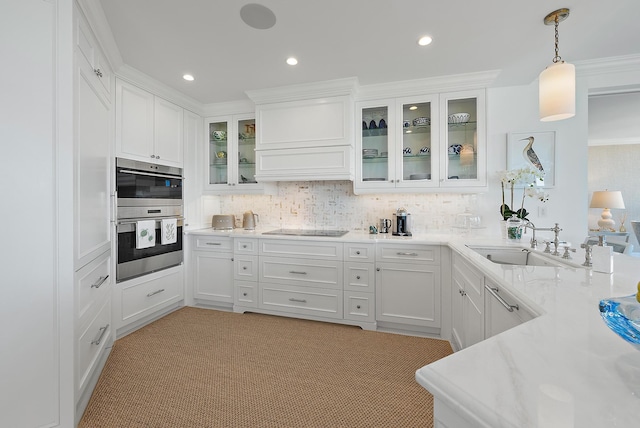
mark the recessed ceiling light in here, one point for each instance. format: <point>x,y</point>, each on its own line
<point>292,61</point>
<point>425,40</point>
<point>188,77</point>
<point>413,108</point>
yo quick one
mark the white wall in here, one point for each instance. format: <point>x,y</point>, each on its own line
<point>515,109</point>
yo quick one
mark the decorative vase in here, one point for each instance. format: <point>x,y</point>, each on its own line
<point>513,228</point>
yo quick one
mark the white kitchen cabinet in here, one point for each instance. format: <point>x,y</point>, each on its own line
<point>359,283</point>
<point>305,132</point>
<point>92,113</point>
<point>463,149</point>
<point>147,297</point>
<point>502,310</point>
<point>92,171</point>
<point>230,157</point>
<point>246,273</point>
<point>467,324</point>
<point>213,270</point>
<point>408,145</point>
<point>408,285</point>
<point>392,152</point>
<point>148,128</point>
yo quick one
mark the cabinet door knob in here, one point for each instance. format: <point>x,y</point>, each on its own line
<point>157,157</point>
<point>358,306</point>
<point>231,258</point>
<point>244,268</point>
<point>358,277</point>
<point>244,246</point>
<point>358,252</point>
<point>153,156</point>
<point>244,294</point>
<point>378,269</point>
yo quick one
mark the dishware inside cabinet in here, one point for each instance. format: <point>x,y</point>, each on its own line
<point>416,141</point>
<point>246,151</point>
<point>218,152</point>
<point>462,140</point>
<point>375,144</point>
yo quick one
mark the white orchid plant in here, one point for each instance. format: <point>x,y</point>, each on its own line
<point>528,178</point>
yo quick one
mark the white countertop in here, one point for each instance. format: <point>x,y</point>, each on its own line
<point>500,382</point>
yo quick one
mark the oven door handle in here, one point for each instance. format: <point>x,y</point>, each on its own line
<point>151,174</point>
<point>135,220</point>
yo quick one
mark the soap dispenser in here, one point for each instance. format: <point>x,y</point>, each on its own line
<point>602,256</point>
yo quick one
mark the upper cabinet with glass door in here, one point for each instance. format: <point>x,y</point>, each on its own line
<point>230,155</point>
<point>395,148</point>
<point>463,139</point>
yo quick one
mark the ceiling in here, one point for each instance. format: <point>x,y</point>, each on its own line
<point>373,40</point>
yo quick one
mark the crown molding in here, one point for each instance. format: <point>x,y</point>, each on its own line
<point>456,82</point>
<point>592,142</point>
<point>618,64</point>
<point>146,82</point>
<point>227,108</point>
<point>328,88</point>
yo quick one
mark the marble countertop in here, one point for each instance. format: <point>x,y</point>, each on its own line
<point>504,381</point>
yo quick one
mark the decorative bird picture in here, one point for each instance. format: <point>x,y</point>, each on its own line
<point>530,155</point>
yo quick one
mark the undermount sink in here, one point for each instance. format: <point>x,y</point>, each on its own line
<point>515,256</point>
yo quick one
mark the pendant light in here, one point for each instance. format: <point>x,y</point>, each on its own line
<point>557,90</point>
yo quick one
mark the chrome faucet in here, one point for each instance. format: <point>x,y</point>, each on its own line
<point>556,230</point>
<point>529,225</point>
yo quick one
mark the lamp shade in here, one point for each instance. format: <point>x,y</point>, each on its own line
<point>557,92</point>
<point>607,199</point>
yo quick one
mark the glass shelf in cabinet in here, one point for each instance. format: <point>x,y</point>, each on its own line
<point>375,159</point>
<point>416,157</point>
<point>462,126</point>
<point>374,132</point>
<point>419,129</point>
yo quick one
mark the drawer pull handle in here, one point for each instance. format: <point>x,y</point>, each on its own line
<point>494,293</point>
<point>214,243</point>
<point>297,272</point>
<point>297,300</point>
<point>155,292</point>
<point>244,294</point>
<point>358,252</point>
<point>99,282</point>
<point>101,333</point>
<point>244,268</point>
<point>357,306</point>
<point>358,277</point>
<point>407,254</point>
<point>244,246</point>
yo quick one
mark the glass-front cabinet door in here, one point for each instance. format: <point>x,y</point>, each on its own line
<point>417,160</point>
<point>230,157</point>
<point>463,139</point>
<point>375,159</point>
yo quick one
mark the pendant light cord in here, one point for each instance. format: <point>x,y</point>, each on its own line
<point>557,58</point>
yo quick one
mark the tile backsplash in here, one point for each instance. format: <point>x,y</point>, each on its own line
<point>333,205</point>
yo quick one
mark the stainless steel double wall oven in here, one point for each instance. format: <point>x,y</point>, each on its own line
<point>146,191</point>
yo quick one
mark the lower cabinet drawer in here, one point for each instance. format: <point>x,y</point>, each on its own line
<point>245,268</point>
<point>93,286</point>
<point>315,273</point>
<point>91,343</point>
<point>359,277</point>
<point>302,300</point>
<point>245,294</point>
<point>359,306</point>
<point>150,295</point>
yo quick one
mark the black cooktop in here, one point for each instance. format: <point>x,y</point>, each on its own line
<point>308,232</point>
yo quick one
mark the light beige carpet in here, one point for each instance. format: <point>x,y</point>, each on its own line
<point>205,368</point>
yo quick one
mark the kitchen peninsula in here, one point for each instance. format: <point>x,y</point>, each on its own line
<point>564,364</point>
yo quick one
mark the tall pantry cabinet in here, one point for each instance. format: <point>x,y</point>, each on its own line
<point>37,255</point>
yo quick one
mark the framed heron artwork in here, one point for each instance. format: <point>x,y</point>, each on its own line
<point>535,150</point>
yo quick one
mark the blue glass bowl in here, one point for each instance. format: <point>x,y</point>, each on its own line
<point>622,315</point>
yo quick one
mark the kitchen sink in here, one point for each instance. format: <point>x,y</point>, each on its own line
<point>515,256</point>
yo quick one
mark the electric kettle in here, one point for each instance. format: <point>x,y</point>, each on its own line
<point>249,220</point>
<point>401,225</point>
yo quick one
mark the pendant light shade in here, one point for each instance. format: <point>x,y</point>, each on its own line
<point>557,92</point>
<point>557,83</point>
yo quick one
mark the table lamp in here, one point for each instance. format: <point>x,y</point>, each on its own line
<point>607,199</point>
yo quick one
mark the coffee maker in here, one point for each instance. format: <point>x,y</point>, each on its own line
<point>401,225</point>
